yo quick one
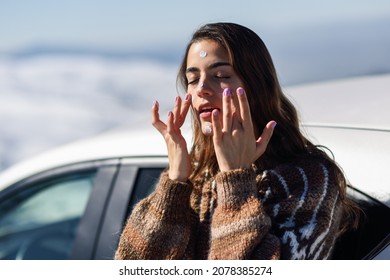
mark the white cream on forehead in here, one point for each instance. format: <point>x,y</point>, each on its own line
<point>202,54</point>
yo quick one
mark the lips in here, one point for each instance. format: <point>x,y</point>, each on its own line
<point>205,111</point>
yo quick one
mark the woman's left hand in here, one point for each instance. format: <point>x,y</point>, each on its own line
<point>234,138</point>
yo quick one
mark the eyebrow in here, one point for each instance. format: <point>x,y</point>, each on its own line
<point>211,66</point>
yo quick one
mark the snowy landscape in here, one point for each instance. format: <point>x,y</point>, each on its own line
<point>47,101</point>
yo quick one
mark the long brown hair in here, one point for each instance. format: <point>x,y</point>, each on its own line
<point>253,64</point>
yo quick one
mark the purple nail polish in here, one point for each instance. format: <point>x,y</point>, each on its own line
<point>274,124</point>
<point>226,92</point>
<point>215,113</point>
<point>240,91</point>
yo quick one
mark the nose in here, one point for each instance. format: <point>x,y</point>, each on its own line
<point>203,88</point>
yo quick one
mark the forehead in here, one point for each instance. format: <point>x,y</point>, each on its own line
<point>214,51</point>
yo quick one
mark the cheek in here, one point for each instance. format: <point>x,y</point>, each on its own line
<point>194,99</point>
<point>191,90</point>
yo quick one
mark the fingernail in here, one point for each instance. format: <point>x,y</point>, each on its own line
<point>169,113</point>
<point>155,103</point>
<point>177,98</point>
<point>215,113</point>
<point>226,92</point>
<point>274,124</point>
<point>240,91</point>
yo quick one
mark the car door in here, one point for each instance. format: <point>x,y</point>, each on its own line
<point>56,214</point>
<point>135,180</point>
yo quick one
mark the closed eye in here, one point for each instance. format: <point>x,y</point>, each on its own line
<point>222,76</point>
<point>192,82</point>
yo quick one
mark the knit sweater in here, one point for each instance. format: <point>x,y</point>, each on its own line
<point>290,212</point>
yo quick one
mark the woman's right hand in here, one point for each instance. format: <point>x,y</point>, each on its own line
<point>179,161</point>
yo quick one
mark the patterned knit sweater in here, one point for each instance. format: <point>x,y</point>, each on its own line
<point>290,212</point>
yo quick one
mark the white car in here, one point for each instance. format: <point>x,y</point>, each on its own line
<point>72,203</point>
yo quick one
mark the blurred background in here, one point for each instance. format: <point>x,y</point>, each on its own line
<point>76,68</point>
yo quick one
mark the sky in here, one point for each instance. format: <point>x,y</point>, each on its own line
<point>131,25</point>
<point>72,69</point>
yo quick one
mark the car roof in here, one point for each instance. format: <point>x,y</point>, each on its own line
<point>359,102</point>
<point>350,117</point>
<point>119,143</point>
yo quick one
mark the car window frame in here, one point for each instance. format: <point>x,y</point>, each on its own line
<point>382,252</point>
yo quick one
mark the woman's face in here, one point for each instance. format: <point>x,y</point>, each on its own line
<point>208,73</point>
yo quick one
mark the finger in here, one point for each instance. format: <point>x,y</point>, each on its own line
<point>156,122</point>
<point>227,110</point>
<point>217,130</point>
<point>176,110</point>
<point>265,137</point>
<point>245,111</point>
<point>236,107</point>
<point>185,107</point>
<point>170,123</point>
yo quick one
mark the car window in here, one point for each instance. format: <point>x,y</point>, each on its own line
<point>373,231</point>
<point>40,220</point>
<point>145,184</point>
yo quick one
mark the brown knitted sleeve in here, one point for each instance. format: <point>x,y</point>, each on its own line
<point>239,221</point>
<point>160,225</point>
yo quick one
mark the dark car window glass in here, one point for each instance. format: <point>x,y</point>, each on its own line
<point>145,184</point>
<point>374,227</point>
<point>39,222</point>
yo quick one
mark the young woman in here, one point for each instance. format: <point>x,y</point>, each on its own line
<point>248,188</point>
